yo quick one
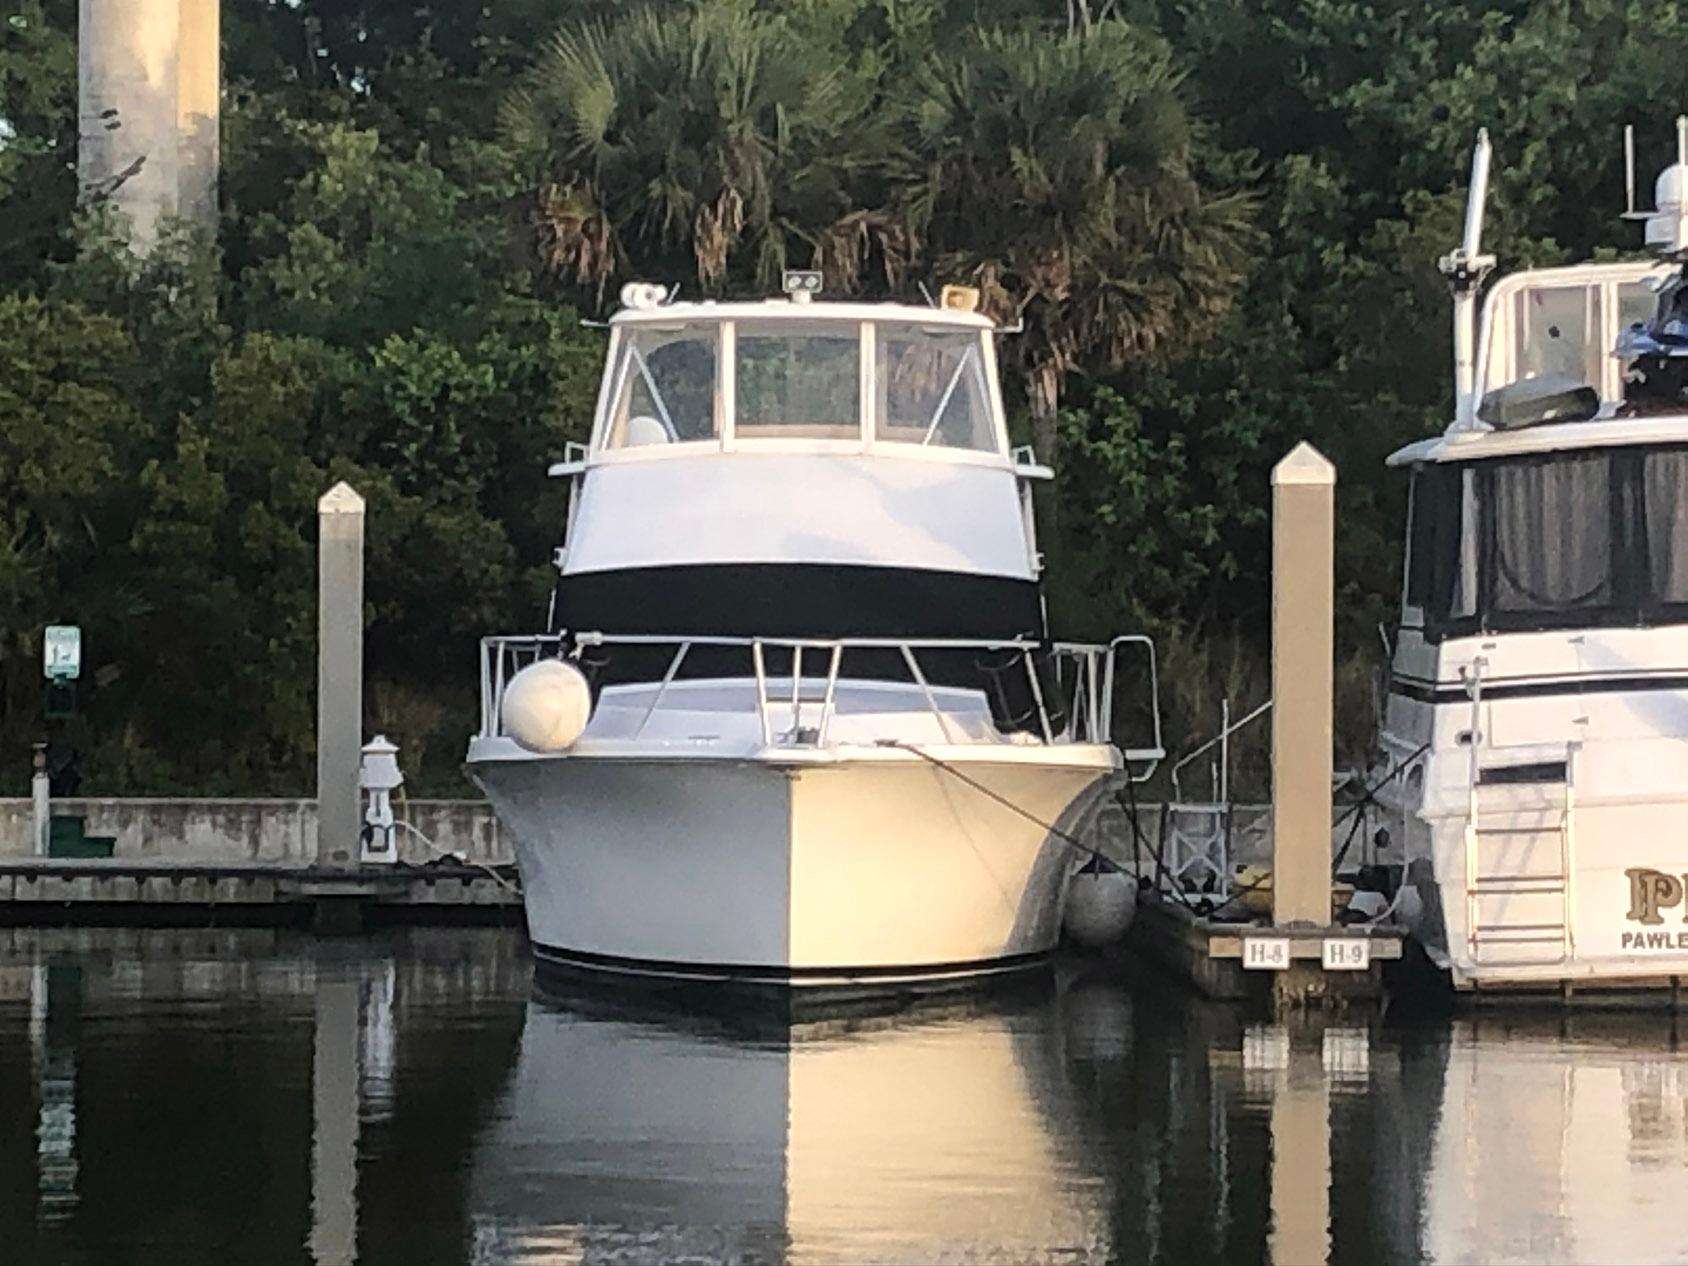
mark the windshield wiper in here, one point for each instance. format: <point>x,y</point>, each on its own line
<point>943,404</point>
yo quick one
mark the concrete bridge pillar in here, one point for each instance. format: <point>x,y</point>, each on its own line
<point>150,83</point>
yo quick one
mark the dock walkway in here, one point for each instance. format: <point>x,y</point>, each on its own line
<point>37,890</point>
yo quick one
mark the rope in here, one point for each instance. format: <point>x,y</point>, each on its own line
<point>1004,801</point>
<point>438,851</point>
<point>1368,796</point>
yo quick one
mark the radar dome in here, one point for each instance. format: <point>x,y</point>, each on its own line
<point>1670,187</point>
<point>546,706</point>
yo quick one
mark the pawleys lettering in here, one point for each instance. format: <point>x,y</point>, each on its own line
<point>1655,940</point>
<point>1651,893</point>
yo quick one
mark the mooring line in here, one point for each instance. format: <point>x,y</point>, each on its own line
<point>1004,801</point>
<point>468,861</point>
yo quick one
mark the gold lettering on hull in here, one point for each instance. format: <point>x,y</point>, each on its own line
<point>1650,893</point>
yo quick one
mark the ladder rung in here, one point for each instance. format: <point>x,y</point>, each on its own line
<point>1522,885</point>
<point>1558,828</point>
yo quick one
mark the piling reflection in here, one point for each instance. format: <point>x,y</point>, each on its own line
<point>55,1001</point>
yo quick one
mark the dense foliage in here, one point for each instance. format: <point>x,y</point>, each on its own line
<point>1218,219</point>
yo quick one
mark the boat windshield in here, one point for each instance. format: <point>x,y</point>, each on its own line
<point>925,386</point>
<point>1566,321</point>
<point>1553,540</point>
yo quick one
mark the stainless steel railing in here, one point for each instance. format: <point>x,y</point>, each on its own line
<point>1082,710</point>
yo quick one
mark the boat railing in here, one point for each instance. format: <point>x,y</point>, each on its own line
<point>1073,700</point>
<point>1219,772</point>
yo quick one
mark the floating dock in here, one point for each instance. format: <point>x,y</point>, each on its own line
<point>1242,961</point>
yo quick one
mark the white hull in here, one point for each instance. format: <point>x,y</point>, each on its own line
<point>826,867</point>
<point>1545,891</point>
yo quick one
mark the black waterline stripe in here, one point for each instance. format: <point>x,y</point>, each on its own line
<point>778,975</point>
<point>1438,692</point>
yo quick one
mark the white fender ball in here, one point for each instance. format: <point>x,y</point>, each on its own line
<point>1101,902</point>
<point>546,706</point>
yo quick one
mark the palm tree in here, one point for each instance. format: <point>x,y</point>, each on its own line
<point>705,143</point>
<point>1056,172</point>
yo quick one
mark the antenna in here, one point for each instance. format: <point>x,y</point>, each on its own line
<point>1465,269</point>
<point>1477,197</point>
<point>1629,171</point>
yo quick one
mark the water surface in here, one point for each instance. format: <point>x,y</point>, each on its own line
<point>256,1096</point>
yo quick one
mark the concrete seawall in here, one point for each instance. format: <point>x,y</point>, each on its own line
<point>246,831</point>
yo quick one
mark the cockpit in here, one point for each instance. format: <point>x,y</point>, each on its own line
<point>782,377</point>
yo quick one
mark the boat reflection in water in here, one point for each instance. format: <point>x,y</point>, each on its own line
<point>1562,1141</point>
<point>936,1134</point>
<point>213,1096</point>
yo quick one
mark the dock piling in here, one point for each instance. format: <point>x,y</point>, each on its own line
<point>1303,612</point>
<point>1303,606</point>
<point>339,675</point>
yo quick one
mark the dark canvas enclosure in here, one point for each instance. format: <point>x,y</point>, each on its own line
<point>1552,540</point>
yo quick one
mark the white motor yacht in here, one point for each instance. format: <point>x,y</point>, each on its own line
<point>1537,718</point>
<point>797,719</point>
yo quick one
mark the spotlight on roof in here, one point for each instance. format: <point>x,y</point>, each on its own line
<point>801,284</point>
<point>958,299</point>
<point>643,295</point>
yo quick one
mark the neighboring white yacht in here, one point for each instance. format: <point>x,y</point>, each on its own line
<point>797,719</point>
<point>1537,720</point>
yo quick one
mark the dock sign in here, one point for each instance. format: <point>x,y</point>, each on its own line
<point>61,652</point>
<point>1265,953</point>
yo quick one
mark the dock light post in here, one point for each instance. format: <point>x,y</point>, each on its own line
<point>339,675</point>
<point>1303,603</point>
<point>40,797</point>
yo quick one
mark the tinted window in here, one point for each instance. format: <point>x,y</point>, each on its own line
<point>1664,489</point>
<point>1442,569</point>
<point>665,390</point>
<point>1554,546</point>
<point>932,388</point>
<point>799,385</point>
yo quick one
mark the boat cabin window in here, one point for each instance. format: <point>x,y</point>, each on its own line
<point>663,387</point>
<point>1552,540</point>
<point>799,385</point>
<point>932,389</point>
<point>898,382</point>
<point>1565,321</point>
<point>1559,332</point>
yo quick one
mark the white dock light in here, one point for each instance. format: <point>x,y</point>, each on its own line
<point>801,284</point>
<point>379,776</point>
<point>643,295</point>
<point>546,706</point>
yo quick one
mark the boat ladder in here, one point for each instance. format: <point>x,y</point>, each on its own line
<point>1519,851</point>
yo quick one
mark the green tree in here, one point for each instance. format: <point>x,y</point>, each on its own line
<point>710,144</point>
<point>1059,174</point>
<point>37,134</point>
<point>66,424</point>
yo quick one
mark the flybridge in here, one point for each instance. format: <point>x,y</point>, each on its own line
<point>1570,344</point>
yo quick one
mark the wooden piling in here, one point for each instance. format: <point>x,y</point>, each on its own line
<point>1303,601</point>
